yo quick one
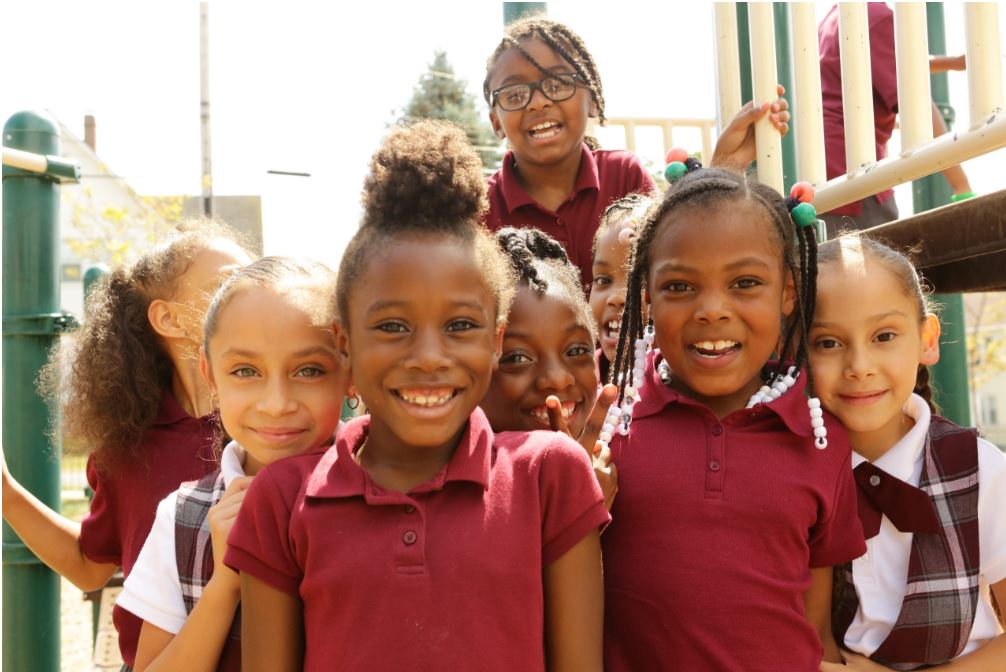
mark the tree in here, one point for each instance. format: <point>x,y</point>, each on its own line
<point>440,94</point>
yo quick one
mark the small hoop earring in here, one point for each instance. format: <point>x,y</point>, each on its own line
<point>353,402</point>
<point>214,402</point>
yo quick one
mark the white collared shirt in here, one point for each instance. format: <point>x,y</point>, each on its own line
<point>881,574</point>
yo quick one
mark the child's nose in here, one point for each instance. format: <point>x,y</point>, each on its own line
<point>277,399</point>
<point>538,100</point>
<point>712,307</point>
<point>428,352</point>
<point>858,363</point>
<point>553,376</point>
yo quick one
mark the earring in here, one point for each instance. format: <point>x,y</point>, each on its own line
<point>214,401</point>
<point>353,402</point>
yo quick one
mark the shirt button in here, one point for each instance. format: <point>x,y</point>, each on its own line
<point>409,538</point>
<point>874,480</point>
<point>714,466</point>
<point>409,508</point>
<point>717,430</point>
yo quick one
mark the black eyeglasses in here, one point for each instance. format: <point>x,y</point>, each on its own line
<point>556,88</point>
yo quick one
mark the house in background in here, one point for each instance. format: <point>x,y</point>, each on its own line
<point>104,221</point>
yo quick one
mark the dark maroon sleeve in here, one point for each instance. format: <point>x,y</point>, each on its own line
<point>838,536</point>
<point>259,542</point>
<point>100,538</point>
<point>571,499</point>
<point>882,59</point>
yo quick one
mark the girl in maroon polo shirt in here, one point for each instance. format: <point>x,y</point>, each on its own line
<point>129,389</point>
<point>728,519</point>
<point>542,85</point>
<point>547,377</point>
<point>422,540</point>
<point>931,494</point>
<point>279,388</point>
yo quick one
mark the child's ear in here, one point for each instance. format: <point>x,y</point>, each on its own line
<point>207,371</point>
<point>163,318</point>
<point>341,336</point>
<point>593,112</point>
<point>497,126</point>
<point>789,295</point>
<point>930,340</point>
<point>498,346</point>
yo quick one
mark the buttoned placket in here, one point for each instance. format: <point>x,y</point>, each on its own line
<point>715,456</point>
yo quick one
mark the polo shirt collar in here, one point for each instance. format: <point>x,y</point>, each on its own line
<point>170,410</point>
<point>655,396</point>
<point>514,195</point>
<point>338,475</point>
<point>904,459</point>
<point>232,462</point>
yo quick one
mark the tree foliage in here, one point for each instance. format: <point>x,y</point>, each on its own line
<point>440,94</point>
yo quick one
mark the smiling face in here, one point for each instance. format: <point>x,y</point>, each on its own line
<point>422,341</point>
<point>547,350</point>
<point>545,132</point>
<point>607,290</point>
<point>718,295</point>
<point>277,376</point>
<point>866,352</point>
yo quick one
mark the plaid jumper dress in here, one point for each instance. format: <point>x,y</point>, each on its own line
<point>193,546</point>
<point>941,595</point>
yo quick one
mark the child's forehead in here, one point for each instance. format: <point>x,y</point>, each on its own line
<point>513,64</point>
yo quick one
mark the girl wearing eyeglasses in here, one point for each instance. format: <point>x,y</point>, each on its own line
<point>542,85</point>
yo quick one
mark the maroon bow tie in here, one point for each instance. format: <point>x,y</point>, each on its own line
<point>908,507</point>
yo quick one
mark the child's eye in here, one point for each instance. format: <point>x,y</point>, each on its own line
<point>826,343</point>
<point>747,283</point>
<point>579,350</point>
<point>886,336</point>
<point>676,287</point>
<point>515,357</point>
<point>244,372</point>
<point>310,372</point>
<point>392,327</point>
<point>462,325</point>
<point>601,280</point>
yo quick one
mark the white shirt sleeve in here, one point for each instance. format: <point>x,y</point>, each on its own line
<point>991,510</point>
<point>152,590</point>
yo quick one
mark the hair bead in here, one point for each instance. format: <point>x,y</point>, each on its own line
<point>804,215</point>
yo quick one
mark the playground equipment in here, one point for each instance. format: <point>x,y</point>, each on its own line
<point>32,318</point>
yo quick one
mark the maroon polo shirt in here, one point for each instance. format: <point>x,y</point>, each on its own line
<point>885,92</point>
<point>604,177</point>
<point>716,526</point>
<point>176,448</point>
<point>447,576</point>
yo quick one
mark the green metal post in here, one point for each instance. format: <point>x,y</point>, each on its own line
<point>31,318</point>
<point>784,71</point>
<point>517,10</point>
<point>744,51</point>
<point>91,276</point>
<point>950,376</point>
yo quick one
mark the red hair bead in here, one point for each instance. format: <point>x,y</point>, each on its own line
<point>803,192</point>
<point>676,154</point>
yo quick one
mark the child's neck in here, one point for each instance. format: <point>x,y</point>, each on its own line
<point>394,465</point>
<point>875,444</point>
<point>549,185</point>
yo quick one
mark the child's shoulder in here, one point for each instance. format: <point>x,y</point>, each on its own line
<point>533,450</point>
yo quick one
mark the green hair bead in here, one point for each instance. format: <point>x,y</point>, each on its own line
<point>674,171</point>
<point>804,215</point>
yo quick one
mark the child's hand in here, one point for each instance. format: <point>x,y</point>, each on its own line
<point>222,516</point>
<point>854,661</point>
<point>735,148</point>
<point>604,470</point>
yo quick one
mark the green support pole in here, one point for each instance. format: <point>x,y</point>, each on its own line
<point>517,10</point>
<point>784,71</point>
<point>31,319</point>
<point>950,375</point>
<point>744,51</point>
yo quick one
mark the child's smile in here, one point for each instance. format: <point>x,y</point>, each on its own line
<point>607,290</point>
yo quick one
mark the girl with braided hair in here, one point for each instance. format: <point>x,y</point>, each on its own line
<point>931,494</point>
<point>542,85</point>
<point>423,540</point>
<point>547,377</point>
<point>735,498</point>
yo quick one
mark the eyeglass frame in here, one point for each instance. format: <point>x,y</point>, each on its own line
<point>578,82</point>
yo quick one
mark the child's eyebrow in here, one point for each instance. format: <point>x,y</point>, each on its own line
<point>397,303</point>
<point>880,317</point>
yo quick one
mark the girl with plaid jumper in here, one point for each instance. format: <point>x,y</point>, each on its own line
<point>931,494</point>
<point>279,388</point>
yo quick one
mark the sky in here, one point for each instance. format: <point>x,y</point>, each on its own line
<point>311,87</point>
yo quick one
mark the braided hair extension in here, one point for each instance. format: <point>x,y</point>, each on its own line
<point>900,266</point>
<point>541,262</point>
<point>708,189</point>
<point>564,42</point>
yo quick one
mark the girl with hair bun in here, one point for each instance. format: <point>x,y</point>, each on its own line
<point>386,551</point>
<point>129,391</point>
<point>931,494</point>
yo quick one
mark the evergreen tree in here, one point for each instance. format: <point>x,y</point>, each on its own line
<point>440,94</point>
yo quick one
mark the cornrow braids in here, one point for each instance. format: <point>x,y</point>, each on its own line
<point>560,39</point>
<point>901,267</point>
<point>706,189</point>
<point>616,213</point>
